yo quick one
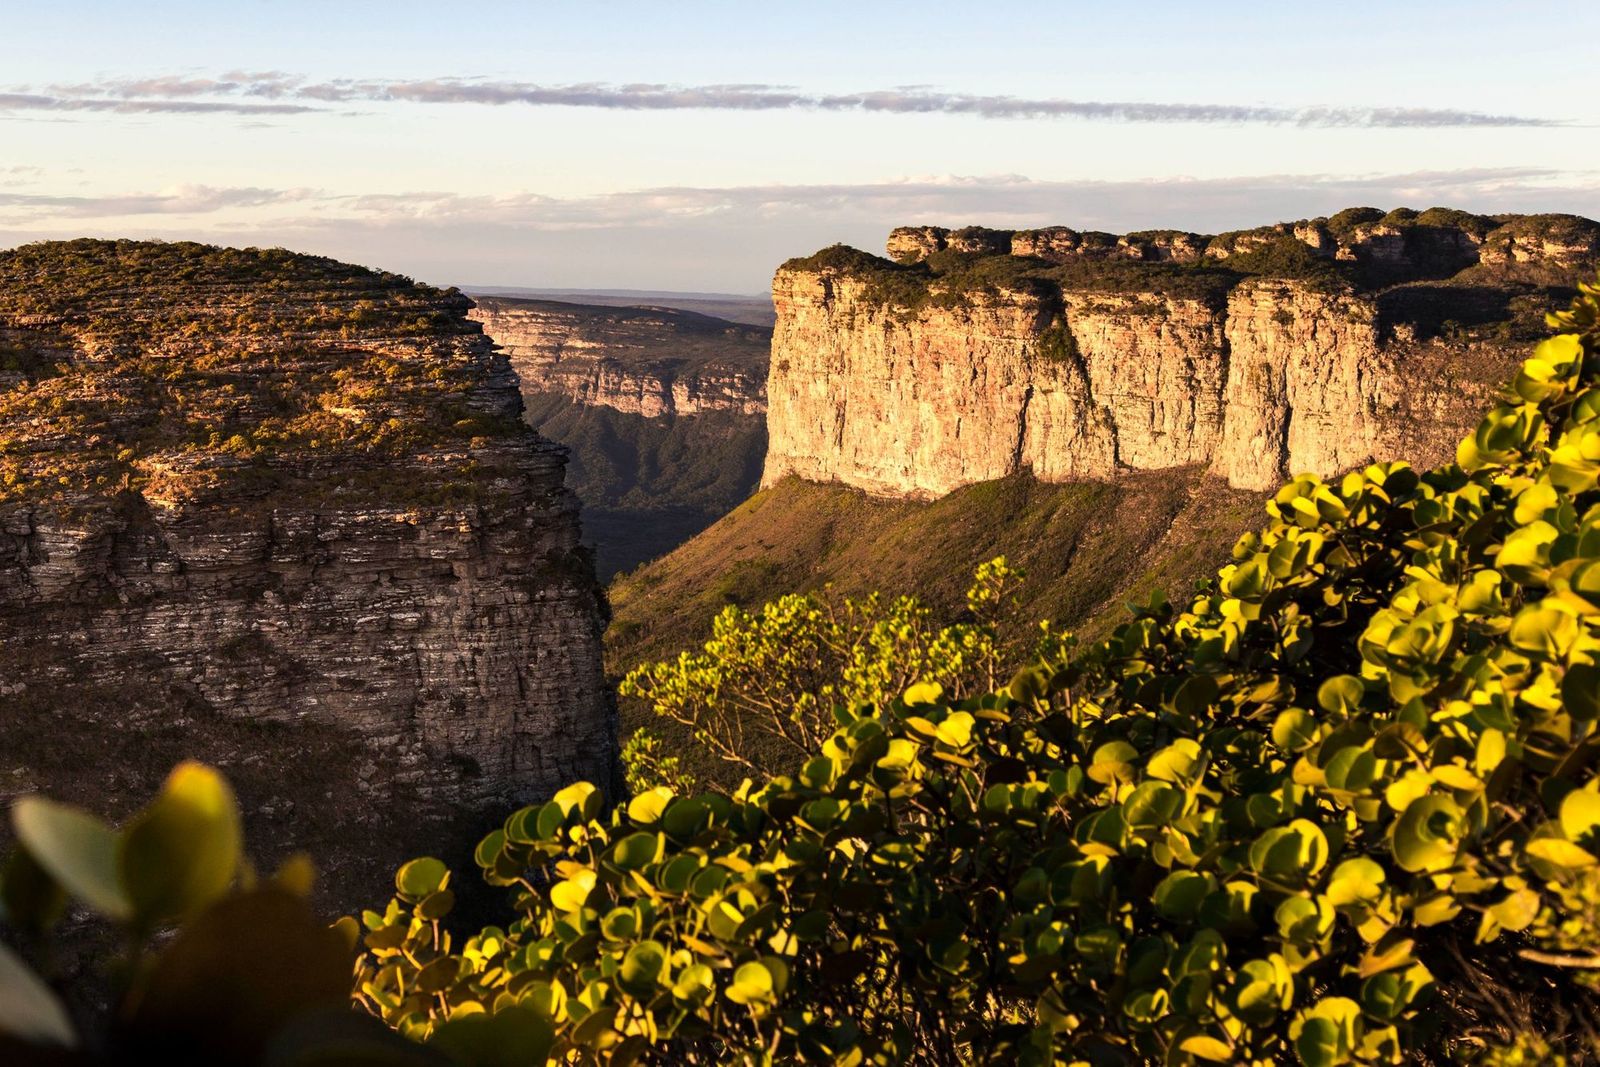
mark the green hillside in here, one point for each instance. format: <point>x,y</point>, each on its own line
<point>1086,547</point>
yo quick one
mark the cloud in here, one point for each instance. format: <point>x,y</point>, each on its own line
<point>1001,200</point>
<point>729,239</point>
<point>280,93</point>
<point>185,200</point>
<point>14,102</point>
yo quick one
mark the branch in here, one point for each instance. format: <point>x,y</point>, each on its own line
<point>1586,963</point>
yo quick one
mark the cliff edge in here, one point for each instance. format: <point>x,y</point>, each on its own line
<point>1317,345</point>
<point>283,514</point>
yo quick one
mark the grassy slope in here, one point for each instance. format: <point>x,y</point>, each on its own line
<point>1087,548</point>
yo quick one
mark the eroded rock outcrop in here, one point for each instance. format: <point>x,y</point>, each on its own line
<point>663,411</point>
<point>1312,346</point>
<point>290,509</point>
<point>654,362</point>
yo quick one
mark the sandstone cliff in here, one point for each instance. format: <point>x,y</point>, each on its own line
<point>651,361</point>
<point>1311,346</point>
<point>283,514</point>
<point>662,409</point>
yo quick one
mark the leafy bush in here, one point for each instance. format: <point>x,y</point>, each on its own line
<point>759,695</point>
<point>1341,808</point>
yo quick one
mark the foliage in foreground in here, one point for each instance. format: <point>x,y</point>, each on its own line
<point>758,697</point>
<point>1342,808</point>
<point>217,965</point>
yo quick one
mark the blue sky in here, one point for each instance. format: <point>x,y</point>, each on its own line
<point>696,145</point>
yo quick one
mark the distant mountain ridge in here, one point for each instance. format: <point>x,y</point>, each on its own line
<point>753,309</point>
<point>663,410</point>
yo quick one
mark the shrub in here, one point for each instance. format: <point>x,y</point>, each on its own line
<point>760,693</point>
<point>1341,808</point>
<point>216,966</point>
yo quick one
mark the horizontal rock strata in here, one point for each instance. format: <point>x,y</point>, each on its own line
<point>1315,346</point>
<point>655,362</point>
<point>254,491</point>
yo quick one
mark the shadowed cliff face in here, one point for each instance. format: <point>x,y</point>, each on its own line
<point>282,514</point>
<point>1315,346</point>
<point>663,411</point>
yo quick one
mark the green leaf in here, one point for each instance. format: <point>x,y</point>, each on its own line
<point>1341,694</point>
<point>581,798</point>
<point>1207,1048</point>
<point>570,894</point>
<point>29,1011</point>
<point>1152,804</point>
<point>235,975</point>
<point>1327,1034</point>
<point>1559,852</point>
<point>1580,691</point>
<point>1298,848</point>
<point>1428,833</point>
<point>77,849</point>
<point>421,877</point>
<point>1352,769</point>
<point>1177,763</point>
<point>695,984</point>
<point>1294,730</point>
<point>637,851</point>
<point>1179,895</point>
<point>1580,814</point>
<point>182,851</point>
<point>646,808</point>
<point>641,968</point>
<point>1196,695</point>
<point>752,984</point>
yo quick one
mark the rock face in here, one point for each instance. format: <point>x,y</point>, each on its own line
<point>1313,346</point>
<point>291,506</point>
<point>655,362</point>
<point>662,409</point>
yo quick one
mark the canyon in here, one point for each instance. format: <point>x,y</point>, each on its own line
<point>663,411</point>
<point>283,515</point>
<point>1316,346</point>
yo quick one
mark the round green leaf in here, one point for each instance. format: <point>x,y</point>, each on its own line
<point>636,851</point>
<point>752,984</point>
<point>182,852</point>
<point>695,984</point>
<point>514,1036</point>
<point>1341,694</point>
<point>1179,895</point>
<point>420,877</point>
<point>1298,848</point>
<point>641,968</point>
<point>77,849</point>
<point>1580,814</point>
<point>1427,833</point>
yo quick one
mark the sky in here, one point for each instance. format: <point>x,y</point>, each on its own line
<point>695,146</point>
